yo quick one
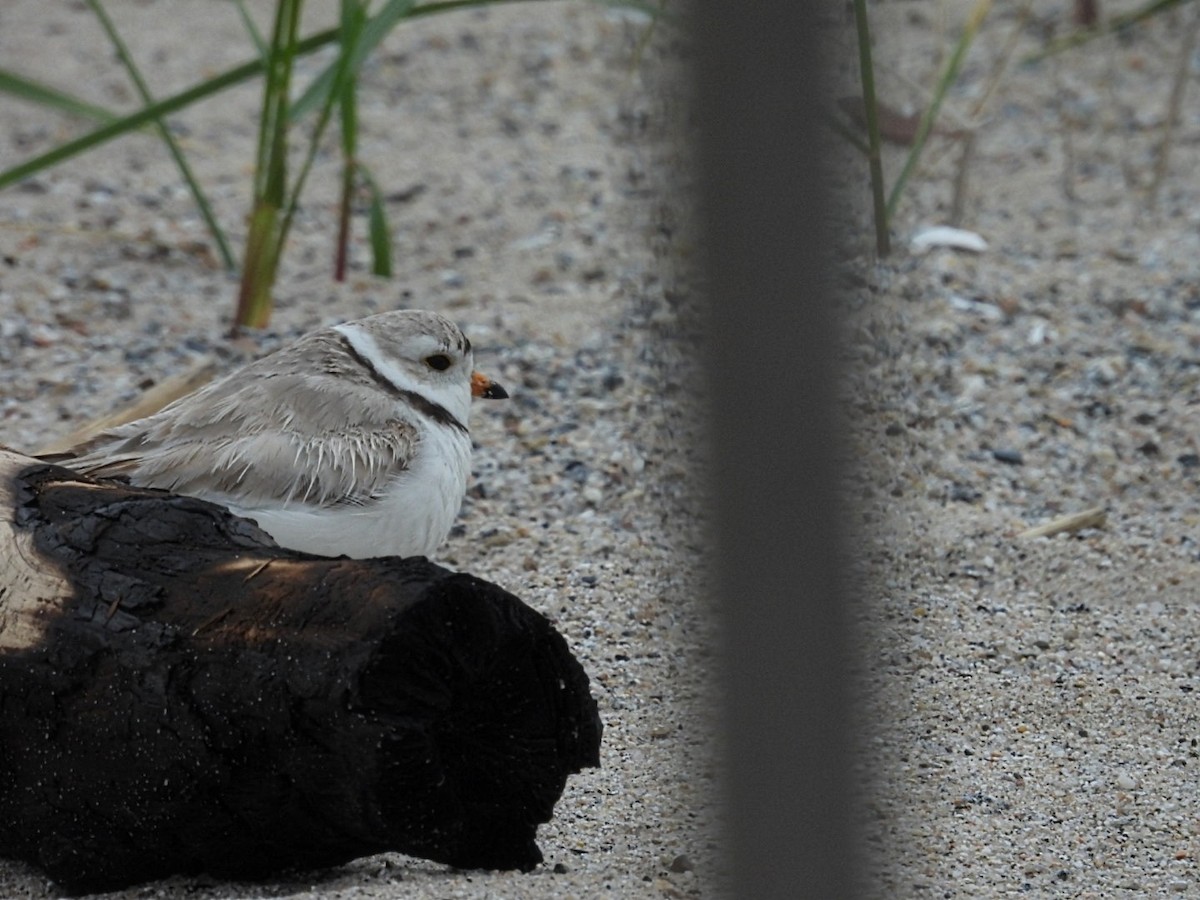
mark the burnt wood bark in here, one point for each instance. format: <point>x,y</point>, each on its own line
<point>178,695</point>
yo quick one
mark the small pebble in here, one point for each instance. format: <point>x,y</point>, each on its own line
<point>964,493</point>
<point>1009,457</point>
<point>680,864</point>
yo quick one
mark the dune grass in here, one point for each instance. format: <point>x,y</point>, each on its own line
<point>284,125</point>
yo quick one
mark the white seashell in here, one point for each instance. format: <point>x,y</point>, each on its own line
<point>945,236</point>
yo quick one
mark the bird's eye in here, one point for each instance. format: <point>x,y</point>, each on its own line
<point>439,361</point>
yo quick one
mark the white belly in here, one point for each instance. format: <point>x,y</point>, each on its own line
<point>411,519</point>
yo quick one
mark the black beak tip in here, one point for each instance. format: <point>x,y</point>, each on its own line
<point>495,392</point>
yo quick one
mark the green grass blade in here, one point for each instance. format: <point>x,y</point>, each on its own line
<point>267,234</point>
<point>354,17</point>
<point>344,70</point>
<point>22,88</point>
<point>354,51</point>
<point>378,229</point>
<point>443,6</point>
<point>126,59</point>
<point>149,114</point>
<point>1112,26</point>
<point>949,74</point>
<point>251,29</point>
<point>270,174</point>
<point>341,73</point>
<point>883,244</point>
<point>380,25</point>
<point>354,20</point>
<point>118,127</point>
<point>341,253</point>
<point>259,267</point>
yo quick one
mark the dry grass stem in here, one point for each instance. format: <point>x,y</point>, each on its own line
<point>1071,522</point>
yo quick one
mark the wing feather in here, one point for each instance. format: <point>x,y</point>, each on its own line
<point>325,443</point>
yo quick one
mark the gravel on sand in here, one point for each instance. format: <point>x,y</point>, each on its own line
<point>535,179</point>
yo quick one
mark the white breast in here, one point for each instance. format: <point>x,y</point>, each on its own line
<point>411,519</point>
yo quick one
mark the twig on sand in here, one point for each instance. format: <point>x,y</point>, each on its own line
<point>1089,518</point>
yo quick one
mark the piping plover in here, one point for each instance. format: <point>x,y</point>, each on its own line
<point>353,440</point>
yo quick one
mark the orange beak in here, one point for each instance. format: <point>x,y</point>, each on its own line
<point>482,386</point>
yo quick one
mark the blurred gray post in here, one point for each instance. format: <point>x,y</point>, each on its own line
<point>790,802</point>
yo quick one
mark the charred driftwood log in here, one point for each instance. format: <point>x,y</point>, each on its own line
<point>178,695</point>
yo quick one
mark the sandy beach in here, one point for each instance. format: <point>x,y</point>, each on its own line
<point>537,192</point>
